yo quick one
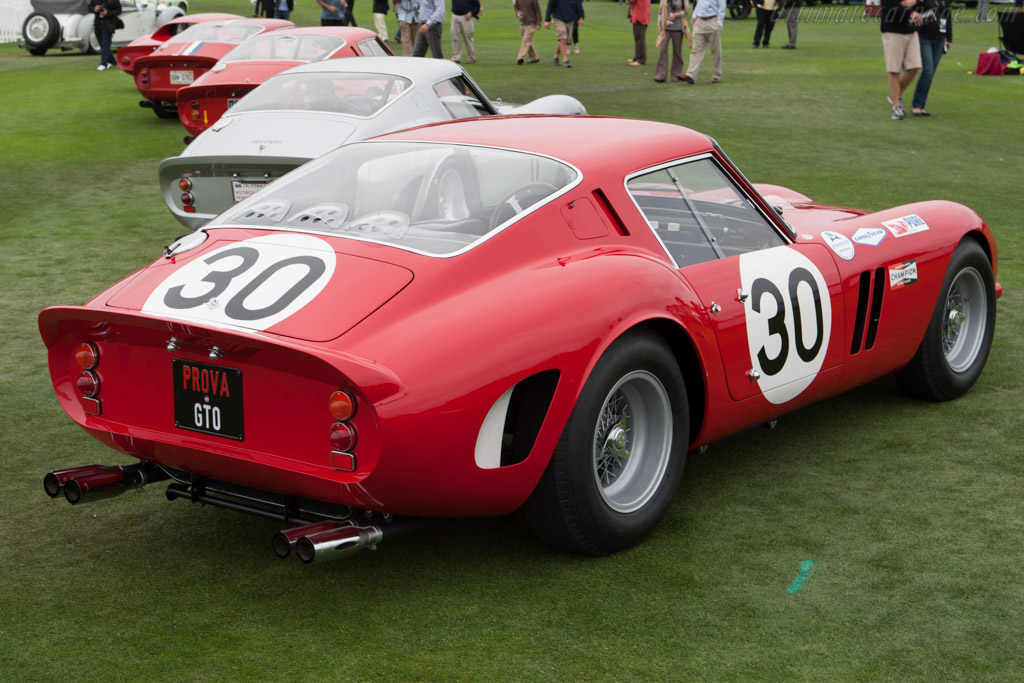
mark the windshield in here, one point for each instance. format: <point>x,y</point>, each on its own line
<point>293,48</point>
<point>355,94</point>
<point>217,32</point>
<point>434,199</point>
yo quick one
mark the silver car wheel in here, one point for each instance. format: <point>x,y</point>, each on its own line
<point>632,441</point>
<point>964,318</point>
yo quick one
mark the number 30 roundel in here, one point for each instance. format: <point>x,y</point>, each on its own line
<point>253,284</point>
<point>789,318</point>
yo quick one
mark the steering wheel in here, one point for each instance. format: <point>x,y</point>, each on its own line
<point>517,200</point>
<point>359,104</point>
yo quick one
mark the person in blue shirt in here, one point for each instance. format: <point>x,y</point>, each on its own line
<point>708,20</point>
<point>431,27</point>
<point>408,13</point>
<point>332,12</point>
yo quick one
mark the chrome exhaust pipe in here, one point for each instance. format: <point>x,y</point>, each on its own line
<point>284,541</point>
<point>53,482</point>
<point>97,482</point>
<point>330,545</point>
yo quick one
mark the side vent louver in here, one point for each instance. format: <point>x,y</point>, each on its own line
<point>869,310</point>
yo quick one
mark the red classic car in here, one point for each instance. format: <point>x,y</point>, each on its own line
<point>201,104</point>
<point>144,45</point>
<point>473,317</point>
<point>184,57</point>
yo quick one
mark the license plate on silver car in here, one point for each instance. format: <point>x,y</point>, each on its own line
<point>243,189</point>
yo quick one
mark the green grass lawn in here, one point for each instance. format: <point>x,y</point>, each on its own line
<point>870,537</point>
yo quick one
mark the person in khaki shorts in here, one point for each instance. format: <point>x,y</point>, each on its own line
<point>565,13</point>
<point>900,46</point>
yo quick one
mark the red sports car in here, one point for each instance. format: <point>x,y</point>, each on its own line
<point>201,104</point>
<point>182,58</point>
<point>478,316</point>
<point>144,45</point>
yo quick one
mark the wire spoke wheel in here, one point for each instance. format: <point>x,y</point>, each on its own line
<point>963,320</point>
<point>632,441</point>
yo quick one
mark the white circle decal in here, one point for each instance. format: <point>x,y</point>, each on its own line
<point>254,283</point>
<point>789,320</point>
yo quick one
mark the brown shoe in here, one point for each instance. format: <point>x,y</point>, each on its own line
<point>716,79</point>
<point>686,79</point>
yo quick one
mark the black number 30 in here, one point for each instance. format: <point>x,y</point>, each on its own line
<point>778,325</point>
<point>221,279</point>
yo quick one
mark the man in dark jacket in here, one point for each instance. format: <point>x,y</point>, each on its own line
<point>900,20</point>
<point>104,24</point>
<point>565,12</point>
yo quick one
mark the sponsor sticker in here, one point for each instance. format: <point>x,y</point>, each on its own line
<point>840,244</point>
<point>907,225</point>
<point>869,236</point>
<point>902,274</point>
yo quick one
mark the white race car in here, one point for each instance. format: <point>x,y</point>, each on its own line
<point>68,24</point>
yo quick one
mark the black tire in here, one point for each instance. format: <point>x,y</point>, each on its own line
<point>738,9</point>
<point>165,111</point>
<point>621,456</point>
<point>41,31</point>
<point>959,335</point>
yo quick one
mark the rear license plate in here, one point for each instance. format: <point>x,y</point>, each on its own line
<point>208,399</point>
<point>181,77</point>
<point>243,189</point>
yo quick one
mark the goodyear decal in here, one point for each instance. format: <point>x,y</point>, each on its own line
<point>871,237</point>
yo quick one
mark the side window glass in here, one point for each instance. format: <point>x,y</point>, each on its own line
<point>460,99</point>
<point>698,213</point>
<point>371,47</point>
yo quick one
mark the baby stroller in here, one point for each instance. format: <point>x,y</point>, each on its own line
<point>1011,32</point>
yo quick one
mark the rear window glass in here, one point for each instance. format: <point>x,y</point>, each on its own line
<point>354,94</point>
<point>432,199</point>
<point>217,32</point>
<point>286,47</point>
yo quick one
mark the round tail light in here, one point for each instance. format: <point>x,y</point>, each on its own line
<point>342,405</point>
<point>187,198</point>
<point>87,355</point>
<point>343,436</point>
<point>88,384</point>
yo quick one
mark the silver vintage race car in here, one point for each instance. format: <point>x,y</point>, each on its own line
<point>68,24</point>
<point>307,111</point>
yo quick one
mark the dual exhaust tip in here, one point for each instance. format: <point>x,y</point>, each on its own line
<point>325,541</point>
<point>95,482</point>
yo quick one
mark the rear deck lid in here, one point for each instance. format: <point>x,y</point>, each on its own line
<point>286,283</point>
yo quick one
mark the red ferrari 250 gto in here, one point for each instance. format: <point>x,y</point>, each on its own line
<point>474,317</point>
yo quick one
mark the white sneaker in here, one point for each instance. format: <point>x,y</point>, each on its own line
<point>576,49</point>
<point>898,113</point>
<point>101,67</point>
